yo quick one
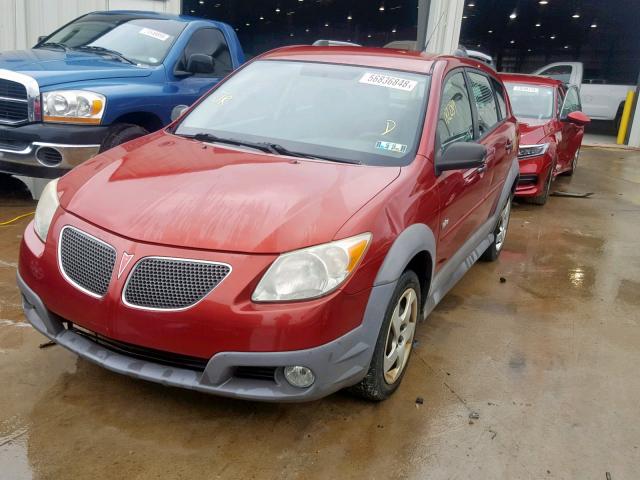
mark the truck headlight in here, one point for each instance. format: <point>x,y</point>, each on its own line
<point>311,272</point>
<point>526,151</point>
<point>47,206</point>
<point>73,106</point>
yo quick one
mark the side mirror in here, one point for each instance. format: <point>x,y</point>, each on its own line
<point>461,156</point>
<point>577,118</point>
<point>41,38</point>
<point>177,112</point>
<point>199,63</point>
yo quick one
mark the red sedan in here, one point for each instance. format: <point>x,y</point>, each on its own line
<point>551,131</point>
<point>281,240</point>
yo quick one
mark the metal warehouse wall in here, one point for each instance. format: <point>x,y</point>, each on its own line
<point>23,21</point>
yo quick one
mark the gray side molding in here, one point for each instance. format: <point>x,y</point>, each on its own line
<point>415,239</point>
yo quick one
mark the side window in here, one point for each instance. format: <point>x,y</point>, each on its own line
<point>455,122</point>
<point>485,102</point>
<point>500,95</point>
<point>211,42</point>
<point>559,72</point>
<point>571,103</point>
<point>561,94</point>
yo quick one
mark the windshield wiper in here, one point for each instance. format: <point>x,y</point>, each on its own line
<point>280,150</point>
<point>106,51</point>
<point>208,137</point>
<point>54,45</point>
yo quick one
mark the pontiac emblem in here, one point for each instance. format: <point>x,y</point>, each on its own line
<point>124,261</point>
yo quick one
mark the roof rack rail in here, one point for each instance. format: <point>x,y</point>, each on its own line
<point>334,43</point>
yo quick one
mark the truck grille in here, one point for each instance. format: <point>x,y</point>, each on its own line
<point>160,283</point>
<point>14,102</point>
<point>85,261</point>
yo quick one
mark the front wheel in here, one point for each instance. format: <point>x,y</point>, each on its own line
<point>121,133</point>
<point>499,234</point>
<point>574,164</point>
<point>395,342</point>
<point>544,196</point>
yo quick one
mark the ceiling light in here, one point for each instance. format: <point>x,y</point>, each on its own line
<point>261,18</point>
<point>369,36</point>
<point>349,17</point>
<point>478,45</point>
<point>543,2</point>
<point>326,24</point>
<point>291,34</point>
<point>277,10</point>
<point>193,11</point>
<point>381,8</point>
<point>566,46</point>
<point>552,37</point>
<point>393,31</point>
<point>307,30</point>
<point>575,15</point>
<point>248,24</point>
<point>513,16</point>
<point>594,25</point>
<point>538,24</point>
<point>464,16</point>
<point>528,49</point>
<point>490,31</point>
<point>201,2</point>
<point>471,4</point>
<point>512,42</point>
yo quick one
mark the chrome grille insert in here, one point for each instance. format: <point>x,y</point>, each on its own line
<point>163,283</point>
<point>19,98</point>
<point>85,261</point>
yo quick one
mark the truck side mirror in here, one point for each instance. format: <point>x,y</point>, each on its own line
<point>41,39</point>
<point>461,156</point>
<point>177,112</point>
<point>200,63</point>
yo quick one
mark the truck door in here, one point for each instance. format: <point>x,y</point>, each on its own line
<point>189,87</point>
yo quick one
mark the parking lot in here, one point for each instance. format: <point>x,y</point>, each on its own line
<point>527,369</point>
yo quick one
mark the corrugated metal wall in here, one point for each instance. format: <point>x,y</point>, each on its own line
<point>23,21</point>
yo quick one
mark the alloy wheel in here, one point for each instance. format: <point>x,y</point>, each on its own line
<point>503,224</point>
<point>400,336</point>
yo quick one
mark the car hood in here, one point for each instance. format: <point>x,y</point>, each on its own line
<point>534,131</point>
<point>170,190</point>
<point>53,67</point>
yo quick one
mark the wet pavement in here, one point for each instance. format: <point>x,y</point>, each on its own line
<point>548,360</point>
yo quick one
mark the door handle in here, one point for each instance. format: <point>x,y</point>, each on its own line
<point>508,146</point>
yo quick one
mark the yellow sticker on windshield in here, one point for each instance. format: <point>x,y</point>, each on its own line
<point>391,126</point>
<point>449,111</point>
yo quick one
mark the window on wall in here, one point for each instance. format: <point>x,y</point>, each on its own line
<point>455,122</point>
<point>485,102</point>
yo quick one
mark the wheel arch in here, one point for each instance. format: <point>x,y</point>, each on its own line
<point>147,120</point>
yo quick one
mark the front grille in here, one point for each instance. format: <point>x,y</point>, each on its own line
<point>161,283</point>
<point>256,373</point>
<point>14,105</point>
<point>143,353</point>
<point>86,261</point>
<point>528,180</point>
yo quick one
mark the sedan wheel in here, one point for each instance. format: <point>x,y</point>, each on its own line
<point>503,225</point>
<point>400,336</point>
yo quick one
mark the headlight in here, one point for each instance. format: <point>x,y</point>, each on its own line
<point>47,206</point>
<point>526,151</point>
<point>73,106</point>
<point>311,272</point>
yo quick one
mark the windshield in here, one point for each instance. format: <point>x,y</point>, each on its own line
<point>140,40</point>
<point>354,114</point>
<point>531,101</point>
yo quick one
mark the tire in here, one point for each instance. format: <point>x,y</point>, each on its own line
<point>542,198</point>
<point>492,253</point>
<point>121,133</point>
<point>384,376</point>
<point>574,164</point>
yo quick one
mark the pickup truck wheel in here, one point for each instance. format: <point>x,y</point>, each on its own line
<point>499,234</point>
<point>121,133</point>
<point>395,342</point>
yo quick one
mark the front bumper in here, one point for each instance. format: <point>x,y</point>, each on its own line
<point>47,150</point>
<point>336,365</point>
<point>534,172</point>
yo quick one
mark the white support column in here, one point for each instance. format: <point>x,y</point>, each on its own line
<point>443,28</point>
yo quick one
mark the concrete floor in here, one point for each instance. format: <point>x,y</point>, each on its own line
<point>549,360</point>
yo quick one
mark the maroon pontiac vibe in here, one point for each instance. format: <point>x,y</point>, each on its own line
<point>551,131</point>
<point>281,240</point>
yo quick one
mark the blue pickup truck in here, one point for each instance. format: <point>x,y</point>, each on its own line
<point>101,80</point>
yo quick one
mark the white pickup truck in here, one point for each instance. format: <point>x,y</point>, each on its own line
<point>601,101</point>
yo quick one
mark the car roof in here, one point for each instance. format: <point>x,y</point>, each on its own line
<point>529,79</point>
<point>404,60</point>
<point>146,14</point>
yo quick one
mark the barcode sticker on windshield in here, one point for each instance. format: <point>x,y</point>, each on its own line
<point>155,34</point>
<point>388,81</point>
<point>519,88</point>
